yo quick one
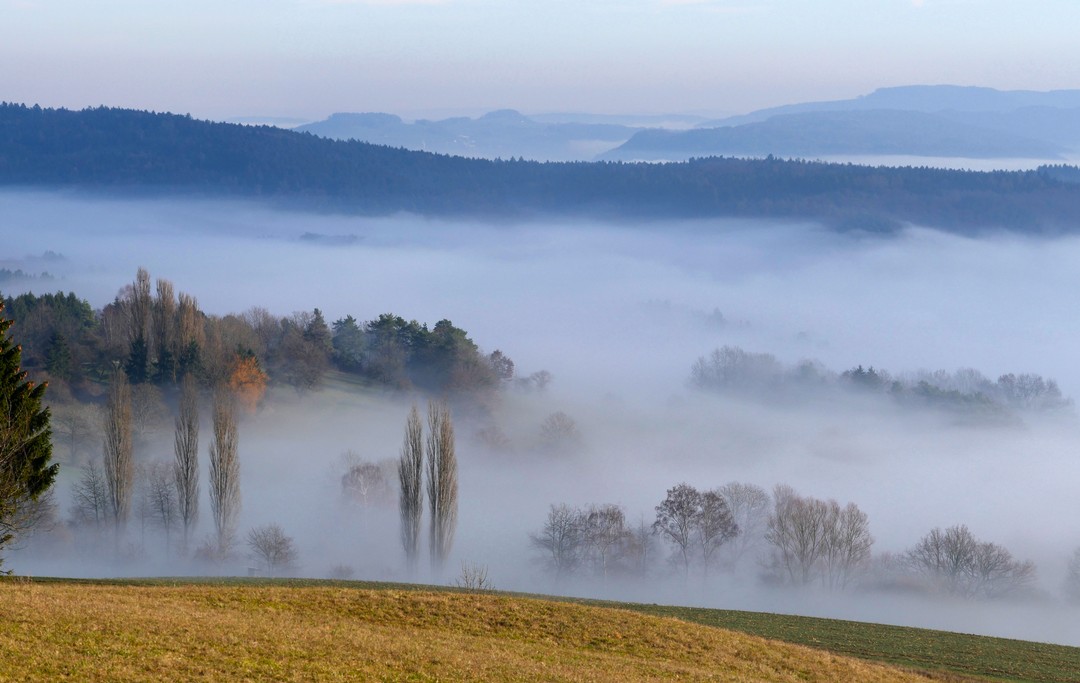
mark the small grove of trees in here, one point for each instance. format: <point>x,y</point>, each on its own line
<point>439,461</point>
<point>815,540</point>
<point>695,524</point>
<point>955,561</point>
<point>595,539</point>
<point>158,336</point>
<point>731,369</point>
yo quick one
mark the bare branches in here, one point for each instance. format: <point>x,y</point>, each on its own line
<point>118,455</point>
<point>186,457</point>
<point>224,471</point>
<point>962,565</point>
<point>560,540</point>
<point>273,548</point>
<point>442,484</point>
<point>817,540</point>
<point>410,477</point>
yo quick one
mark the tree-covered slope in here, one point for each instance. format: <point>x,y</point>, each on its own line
<point>135,151</point>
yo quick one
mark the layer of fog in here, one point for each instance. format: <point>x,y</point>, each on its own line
<point>618,314</point>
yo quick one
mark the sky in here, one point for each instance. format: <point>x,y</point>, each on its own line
<point>309,58</point>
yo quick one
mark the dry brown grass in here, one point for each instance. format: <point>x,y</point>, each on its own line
<point>88,632</point>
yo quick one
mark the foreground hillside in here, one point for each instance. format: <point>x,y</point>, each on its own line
<point>144,632</point>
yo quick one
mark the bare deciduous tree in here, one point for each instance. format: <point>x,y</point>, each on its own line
<point>604,532</point>
<point>410,478</point>
<point>561,540</point>
<point>364,482</point>
<point>642,543</point>
<point>148,411</point>
<point>559,432</point>
<point>816,539</point>
<point>160,498</point>
<point>474,577</point>
<point>749,506</point>
<point>90,497</point>
<point>715,526</point>
<point>118,455</point>
<point>186,458</point>
<point>78,424</point>
<point>847,544</point>
<point>676,517</point>
<point>224,471</point>
<point>795,532</point>
<point>273,548</point>
<point>1072,577</point>
<point>442,484</point>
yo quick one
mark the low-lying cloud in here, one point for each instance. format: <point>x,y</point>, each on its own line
<point>618,313</point>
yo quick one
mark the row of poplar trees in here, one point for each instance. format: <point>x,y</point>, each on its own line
<point>440,463</point>
<point>224,470</point>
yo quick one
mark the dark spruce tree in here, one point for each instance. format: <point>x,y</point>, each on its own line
<point>25,441</point>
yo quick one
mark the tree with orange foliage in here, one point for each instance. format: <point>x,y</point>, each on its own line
<point>247,381</point>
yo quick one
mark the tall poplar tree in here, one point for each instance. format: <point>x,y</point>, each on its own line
<point>442,484</point>
<point>410,477</point>
<point>224,471</point>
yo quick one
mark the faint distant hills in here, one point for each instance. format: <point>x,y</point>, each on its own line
<point>919,120</point>
<point>503,134</point>
<point>930,121</point>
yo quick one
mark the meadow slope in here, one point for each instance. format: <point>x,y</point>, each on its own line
<point>142,632</point>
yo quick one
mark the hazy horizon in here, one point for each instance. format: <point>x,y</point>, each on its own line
<point>309,58</point>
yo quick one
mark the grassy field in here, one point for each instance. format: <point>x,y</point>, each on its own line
<point>244,629</point>
<point>984,657</point>
<point>240,631</point>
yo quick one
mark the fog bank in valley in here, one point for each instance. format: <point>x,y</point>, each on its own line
<point>618,314</point>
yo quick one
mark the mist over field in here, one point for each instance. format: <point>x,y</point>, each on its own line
<point>618,314</point>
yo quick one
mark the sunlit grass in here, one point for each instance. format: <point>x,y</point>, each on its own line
<point>235,631</point>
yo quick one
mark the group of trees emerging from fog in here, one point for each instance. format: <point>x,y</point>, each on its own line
<point>118,373</point>
<point>965,393</point>
<point>158,337</point>
<point>139,151</point>
<point>784,539</point>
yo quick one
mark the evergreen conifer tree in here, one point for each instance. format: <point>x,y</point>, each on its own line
<point>25,440</point>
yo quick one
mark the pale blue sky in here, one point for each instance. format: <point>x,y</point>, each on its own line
<point>308,58</point>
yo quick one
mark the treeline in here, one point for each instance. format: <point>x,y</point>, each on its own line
<point>782,538</point>
<point>137,151</point>
<point>966,393</point>
<point>157,336</point>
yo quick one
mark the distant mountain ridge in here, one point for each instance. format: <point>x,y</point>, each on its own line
<point>923,98</point>
<point>500,134</point>
<point>814,133</point>
<point>928,121</point>
<point>127,151</point>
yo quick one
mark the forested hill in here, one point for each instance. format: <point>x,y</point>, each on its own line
<point>135,151</point>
